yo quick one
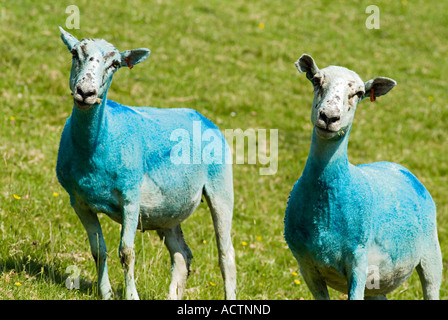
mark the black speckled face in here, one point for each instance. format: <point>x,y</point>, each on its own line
<point>94,63</point>
<point>337,91</point>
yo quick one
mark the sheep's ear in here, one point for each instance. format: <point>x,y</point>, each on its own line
<point>380,86</point>
<point>130,58</point>
<point>306,64</point>
<point>69,40</point>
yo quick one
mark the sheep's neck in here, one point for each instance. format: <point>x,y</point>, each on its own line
<point>327,161</point>
<point>87,125</point>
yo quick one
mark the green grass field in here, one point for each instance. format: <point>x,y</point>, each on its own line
<point>233,61</point>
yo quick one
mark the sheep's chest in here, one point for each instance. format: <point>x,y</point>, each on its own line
<point>322,250</point>
<point>322,226</point>
<point>99,191</point>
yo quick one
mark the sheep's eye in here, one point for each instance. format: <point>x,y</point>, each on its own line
<point>74,54</point>
<point>316,81</point>
<point>115,64</point>
<point>358,94</point>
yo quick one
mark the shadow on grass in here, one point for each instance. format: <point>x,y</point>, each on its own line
<point>47,272</point>
<point>51,273</point>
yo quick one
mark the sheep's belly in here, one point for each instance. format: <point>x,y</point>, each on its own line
<point>161,210</point>
<point>380,280</point>
<point>154,218</point>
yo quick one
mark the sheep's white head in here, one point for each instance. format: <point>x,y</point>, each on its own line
<point>93,65</point>
<point>337,92</point>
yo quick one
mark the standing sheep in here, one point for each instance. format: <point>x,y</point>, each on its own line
<point>116,159</point>
<point>345,223</point>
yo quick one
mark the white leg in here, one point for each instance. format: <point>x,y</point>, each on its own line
<point>221,207</point>
<point>126,249</point>
<point>180,260</point>
<point>97,247</point>
<point>430,272</point>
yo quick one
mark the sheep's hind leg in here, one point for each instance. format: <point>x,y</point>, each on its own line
<point>221,208</point>
<point>180,260</point>
<point>97,247</point>
<point>430,272</point>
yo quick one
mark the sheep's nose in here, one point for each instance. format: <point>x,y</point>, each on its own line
<point>85,94</point>
<point>328,117</point>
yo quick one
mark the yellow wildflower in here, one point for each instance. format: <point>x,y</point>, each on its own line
<point>16,197</point>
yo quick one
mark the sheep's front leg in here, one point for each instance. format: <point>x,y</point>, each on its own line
<point>314,281</point>
<point>126,249</point>
<point>357,276</point>
<point>97,247</point>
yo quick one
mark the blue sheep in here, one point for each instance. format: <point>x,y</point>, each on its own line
<point>117,160</point>
<point>363,229</point>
